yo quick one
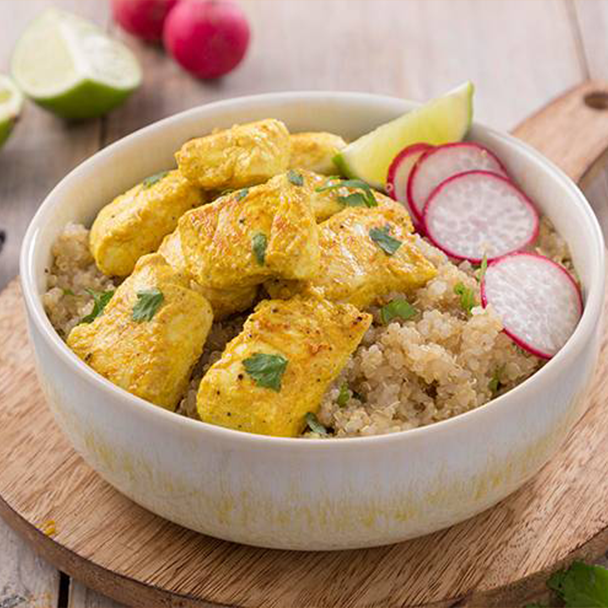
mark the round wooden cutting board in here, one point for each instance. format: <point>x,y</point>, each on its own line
<point>501,557</point>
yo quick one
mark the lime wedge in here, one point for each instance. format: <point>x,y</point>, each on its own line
<point>442,120</point>
<point>11,103</point>
<point>69,66</point>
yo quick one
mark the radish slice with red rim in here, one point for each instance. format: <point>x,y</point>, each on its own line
<point>539,302</point>
<point>440,163</point>
<point>399,172</point>
<point>479,214</point>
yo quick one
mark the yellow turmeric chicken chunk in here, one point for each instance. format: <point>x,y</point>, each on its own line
<point>233,158</point>
<point>315,151</point>
<point>225,302</point>
<point>149,335</point>
<point>251,235</point>
<point>329,196</point>
<point>365,254</point>
<point>136,222</point>
<point>278,369</point>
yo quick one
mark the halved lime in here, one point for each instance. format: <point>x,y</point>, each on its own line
<point>11,103</point>
<point>69,66</point>
<point>442,120</point>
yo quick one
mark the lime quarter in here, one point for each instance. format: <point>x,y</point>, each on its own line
<point>11,104</point>
<point>69,66</point>
<point>440,121</point>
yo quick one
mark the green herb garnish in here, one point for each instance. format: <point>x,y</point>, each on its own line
<point>496,382</point>
<point>384,240</point>
<point>68,292</point>
<point>397,308</point>
<point>467,297</point>
<point>344,395</point>
<point>295,178</point>
<point>242,194</point>
<point>581,585</point>
<point>482,268</point>
<point>259,242</point>
<point>366,197</point>
<point>314,425</point>
<point>154,179</point>
<point>100,300</point>
<point>266,370</point>
<point>148,302</point>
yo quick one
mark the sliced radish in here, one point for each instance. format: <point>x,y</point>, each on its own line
<point>477,214</point>
<point>399,173</point>
<point>440,163</point>
<point>538,301</point>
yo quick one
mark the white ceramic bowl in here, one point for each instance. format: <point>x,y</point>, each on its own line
<point>309,494</point>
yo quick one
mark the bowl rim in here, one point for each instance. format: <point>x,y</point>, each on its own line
<point>138,406</point>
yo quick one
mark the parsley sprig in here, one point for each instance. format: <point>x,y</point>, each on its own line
<point>100,300</point>
<point>398,308</point>
<point>154,179</point>
<point>259,242</point>
<point>344,395</point>
<point>314,425</point>
<point>384,240</point>
<point>467,297</point>
<point>365,198</point>
<point>148,303</point>
<point>266,370</point>
<point>580,585</point>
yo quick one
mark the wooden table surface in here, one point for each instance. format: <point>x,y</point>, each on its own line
<point>519,54</point>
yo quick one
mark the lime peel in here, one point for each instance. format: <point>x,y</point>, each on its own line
<point>11,104</point>
<point>443,120</point>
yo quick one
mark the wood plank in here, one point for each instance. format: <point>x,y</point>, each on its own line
<point>83,597</point>
<point>25,579</point>
<point>42,148</point>
<point>409,49</point>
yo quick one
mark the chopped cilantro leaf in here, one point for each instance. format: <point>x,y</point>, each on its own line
<point>259,242</point>
<point>295,178</point>
<point>467,297</point>
<point>356,199</point>
<point>367,196</point>
<point>482,268</point>
<point>242,194</point>
<point>68,292</point>
<point>154,179</point>
<point>384,240</point>
<point>397,308</point>
<point>100,299</point>
<point>266,370</point>
<point>344,395</point>
<point>148,302</point>
<point>581,585</point>
<point>314,425</point>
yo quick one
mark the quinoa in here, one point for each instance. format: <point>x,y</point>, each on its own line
<point>440,363</point>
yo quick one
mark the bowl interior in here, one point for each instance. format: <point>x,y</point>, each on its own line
<point>93,184</point>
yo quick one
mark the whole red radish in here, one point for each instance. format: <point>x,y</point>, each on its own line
<point>208,38</point>
<point>142,18</point>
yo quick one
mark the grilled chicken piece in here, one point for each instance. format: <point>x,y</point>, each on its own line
<point>136,222</point>
<point>151,357</point>
<point>365,254</point>
<point>233,158</point>
<point>225,302</point>
<point>280,366</point>
<point>315,151</point>
<point>248,236</point>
